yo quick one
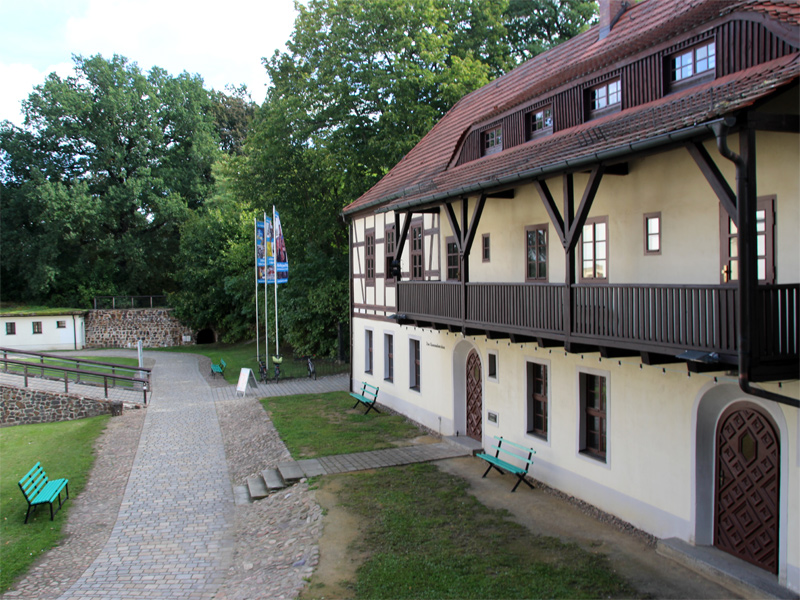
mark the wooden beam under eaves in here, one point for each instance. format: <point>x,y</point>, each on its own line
<point>606,352</point>
<point>504,194</point>
<point>715,178</point>
<point>652,358</point>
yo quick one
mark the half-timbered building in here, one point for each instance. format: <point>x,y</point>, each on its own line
<point>597,255</point>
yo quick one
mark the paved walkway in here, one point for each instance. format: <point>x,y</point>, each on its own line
<point>174,534</point>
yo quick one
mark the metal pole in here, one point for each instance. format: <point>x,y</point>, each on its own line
<point>275,253</point>
<point>266,296</point>
<point>255,264</point>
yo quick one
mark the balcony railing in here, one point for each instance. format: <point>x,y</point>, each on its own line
<point>654,318</point>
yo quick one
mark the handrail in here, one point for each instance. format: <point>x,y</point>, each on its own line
<point>160,301</point>
<point>77,361</point>
<point>67,370</point>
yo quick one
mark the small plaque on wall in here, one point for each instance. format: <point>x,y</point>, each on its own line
<point>493,417</point>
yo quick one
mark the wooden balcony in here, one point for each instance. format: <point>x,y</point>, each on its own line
<point>665,320</point>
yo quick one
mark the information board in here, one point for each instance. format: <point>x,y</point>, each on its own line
<point>244,377</point>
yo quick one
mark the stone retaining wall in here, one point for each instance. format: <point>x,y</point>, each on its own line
<point>23,406</point>
<point>122,328</point>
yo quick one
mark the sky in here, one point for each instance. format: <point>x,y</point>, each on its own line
<point>222,41</point>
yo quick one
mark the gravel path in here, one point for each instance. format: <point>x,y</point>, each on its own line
<point>276,539</point>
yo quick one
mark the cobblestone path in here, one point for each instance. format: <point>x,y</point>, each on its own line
<point>174,534</point>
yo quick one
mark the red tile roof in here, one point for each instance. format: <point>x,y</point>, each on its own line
<point>423,173</point>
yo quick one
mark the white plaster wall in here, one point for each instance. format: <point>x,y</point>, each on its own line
<point>669,183</point>
<point>71,337</point>
<point>648,477</point>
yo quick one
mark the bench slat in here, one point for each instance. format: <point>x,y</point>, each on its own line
<point>38,489</point>
<point>514,454</point>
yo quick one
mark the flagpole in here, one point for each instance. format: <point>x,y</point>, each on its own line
<point>266,279</point>
<point>255,252</point>
<point>275,254</point>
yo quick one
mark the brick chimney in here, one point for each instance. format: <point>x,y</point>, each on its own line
<point>610,12</point>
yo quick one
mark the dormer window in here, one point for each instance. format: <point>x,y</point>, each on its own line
<point>541,122</point>
<point>605,98</point>
<point>492,141</point>
<point>693,64</point>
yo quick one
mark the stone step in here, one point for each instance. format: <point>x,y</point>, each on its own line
<point>241,495</point>
<point>257,487</point>
<point>290,471</point>
<point>273,479</point>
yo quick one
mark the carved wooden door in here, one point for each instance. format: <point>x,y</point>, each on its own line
<point>474,397</point>
<point>748,483</point>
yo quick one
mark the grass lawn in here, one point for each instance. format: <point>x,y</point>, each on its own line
<point>314,425</point>
<point>69,362</point>
<point>65,450</point>
<point>243,355</point>
<point>424,536</point>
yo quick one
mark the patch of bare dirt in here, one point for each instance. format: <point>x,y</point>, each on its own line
<point>338,559</point>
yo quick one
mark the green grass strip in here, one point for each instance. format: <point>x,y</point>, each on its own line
<point>426,537</point>
<point>313,425</point>
<point>65,451</point>
<point>239,356</point>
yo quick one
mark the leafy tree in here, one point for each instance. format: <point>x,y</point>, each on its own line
<point>537,25</point>
<point>233,113</point>
<point>96,181</point>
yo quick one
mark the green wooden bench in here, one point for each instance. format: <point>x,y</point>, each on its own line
<point>512,449</point>
<point>220,368</point>
<point>367,397</point>
<point>38,489</point>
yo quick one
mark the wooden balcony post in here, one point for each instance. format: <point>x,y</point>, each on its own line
<point>569,276</point>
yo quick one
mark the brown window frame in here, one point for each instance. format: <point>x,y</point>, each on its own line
<point>538,402</point>
<point>728,238</point>
<point>486,248</point>
<point>389,250</point>
<point>608,107</point>
<point>594,387</point>
<point>534,129</point>
<point>593,221</point>
<point>414,372</point>
<point>492,141</point>
<point>648,235</point>
<point>683,81</point>
<point>37,327</point>
<point>388,358</point>
<point>369,256</point>
<point>368,347</point>
<point>453,266</point>
<point>417,243</point>
<point>11,328</point>
<point>528,230</point>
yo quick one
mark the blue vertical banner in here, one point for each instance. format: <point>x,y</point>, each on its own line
<point>281,260</point>
<point>261,253</point>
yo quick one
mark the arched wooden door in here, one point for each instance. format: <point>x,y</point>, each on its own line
<point>474,397</point>
<point>746,499</point>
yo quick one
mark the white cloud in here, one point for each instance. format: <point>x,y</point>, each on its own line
<point>222,42</point>
<point>18,82</point>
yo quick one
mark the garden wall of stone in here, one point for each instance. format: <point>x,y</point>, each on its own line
<point>23,406</point>
<point>122,328</point>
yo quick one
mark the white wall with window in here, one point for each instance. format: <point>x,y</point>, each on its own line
<point>43,333</point>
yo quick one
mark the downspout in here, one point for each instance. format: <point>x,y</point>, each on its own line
<point>745,184</point>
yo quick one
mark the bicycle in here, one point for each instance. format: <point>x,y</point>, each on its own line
<point>262,370</point>
<point>276,361</point>
<point>312,371</point>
